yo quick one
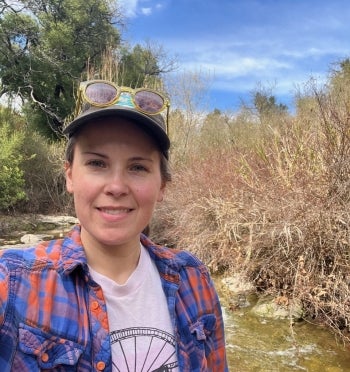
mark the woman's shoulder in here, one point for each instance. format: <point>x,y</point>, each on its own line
<point>50,253</point>
<point>25,254</point>
<point>173,257</point>
<point>45,254</point>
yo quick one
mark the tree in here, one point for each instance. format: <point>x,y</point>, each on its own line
<point>213,130</point>
<point>266,106</point>
<point>44,49</point>
<point>145,65</point>
<point>189,98</point>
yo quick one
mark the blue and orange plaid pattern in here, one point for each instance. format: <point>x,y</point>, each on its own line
<point>53,315</point>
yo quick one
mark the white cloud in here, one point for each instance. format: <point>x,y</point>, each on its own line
<point>146,11</point>
<point>129,7</point>
<point>134,8</point>
<point>239,67</point>
<point>239,62</point>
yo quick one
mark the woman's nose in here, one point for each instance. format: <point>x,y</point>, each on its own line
<point>116,184</point>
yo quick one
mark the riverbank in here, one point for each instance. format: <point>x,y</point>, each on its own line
<point>24,229</point>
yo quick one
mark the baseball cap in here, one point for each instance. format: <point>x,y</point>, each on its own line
<point>145,107</point>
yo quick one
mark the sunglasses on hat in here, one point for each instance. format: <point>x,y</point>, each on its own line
<point>100,98</point>
<point>101,93</point>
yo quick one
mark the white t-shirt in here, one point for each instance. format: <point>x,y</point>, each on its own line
<point>142,336</point>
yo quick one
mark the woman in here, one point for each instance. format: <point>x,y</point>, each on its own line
<point>106,298</point>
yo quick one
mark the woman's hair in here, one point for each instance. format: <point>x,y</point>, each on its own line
<point>164,162</point>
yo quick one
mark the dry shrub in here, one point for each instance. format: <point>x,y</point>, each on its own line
<point>278,212</point>
<point>44,175</point>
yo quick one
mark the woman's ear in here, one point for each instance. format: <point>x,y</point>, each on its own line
<point>68,174</point>
<point>161,192</point>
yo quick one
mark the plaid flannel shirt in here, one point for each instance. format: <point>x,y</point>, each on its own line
<point>53,315</point>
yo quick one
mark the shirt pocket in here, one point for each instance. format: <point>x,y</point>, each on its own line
<point>202,331</point>
<point>43,351</point>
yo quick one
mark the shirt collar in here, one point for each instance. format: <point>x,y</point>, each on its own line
<point>168,261</point>
<point>73,254</point>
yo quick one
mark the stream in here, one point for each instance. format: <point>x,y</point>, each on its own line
<point>256,344</point>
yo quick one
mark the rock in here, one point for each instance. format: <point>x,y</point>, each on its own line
<point>238,301</point>
<point>29,230</point>
<point>58,220</point>
<point>274,309</point>
<point>237,284</point>
<point>238,291</point>
<point>33,238</point>
<point>9,243</point>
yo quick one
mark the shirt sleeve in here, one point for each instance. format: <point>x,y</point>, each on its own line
<point>217,359</point>
<point>3,291</point>
<point>203,299</point>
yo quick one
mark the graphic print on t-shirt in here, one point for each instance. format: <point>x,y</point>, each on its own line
<point>143,349</point>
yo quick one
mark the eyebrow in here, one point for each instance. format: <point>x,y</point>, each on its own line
<point>134,158</point>
<point>94,153</point>
<point>138,158</point>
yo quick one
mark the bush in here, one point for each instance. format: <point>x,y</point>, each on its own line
<point>31,169</point>
<point>44,176</point>
<point>11,173</point>
<point>276,208</point>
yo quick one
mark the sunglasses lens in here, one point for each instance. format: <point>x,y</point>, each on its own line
<point>148,101</point>
<point>101,93</point>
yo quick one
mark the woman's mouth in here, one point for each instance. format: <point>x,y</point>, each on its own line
<point>114,211</point>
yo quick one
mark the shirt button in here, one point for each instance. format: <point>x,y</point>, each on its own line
<point>44,357</point>
<point>104,323</point>
<point>94,305</point>
<point>100,366</point>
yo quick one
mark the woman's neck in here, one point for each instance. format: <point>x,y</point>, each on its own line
<point>116,263</point>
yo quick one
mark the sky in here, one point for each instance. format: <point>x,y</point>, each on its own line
<point>246,45</point>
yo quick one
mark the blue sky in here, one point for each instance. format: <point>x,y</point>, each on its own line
<point>244,44</point>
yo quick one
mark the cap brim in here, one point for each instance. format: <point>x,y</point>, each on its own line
<point>145,122</point>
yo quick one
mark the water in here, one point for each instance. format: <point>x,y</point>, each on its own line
<point>255,344</point>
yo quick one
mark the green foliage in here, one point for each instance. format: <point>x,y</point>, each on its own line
<point>268,112</point>
<point>267,105</point>
<point>44,176</point>
<point>11,173</point>
<point>46,47</point>
<point>31,169</point>
<point>139,65</point>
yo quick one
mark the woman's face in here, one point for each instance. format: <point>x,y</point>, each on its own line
<point>116,182</point>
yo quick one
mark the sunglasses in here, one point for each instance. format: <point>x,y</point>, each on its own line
<point>101,93</point>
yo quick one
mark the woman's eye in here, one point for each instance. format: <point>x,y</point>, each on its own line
<point>96,163</point>
<point>138,168</point>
